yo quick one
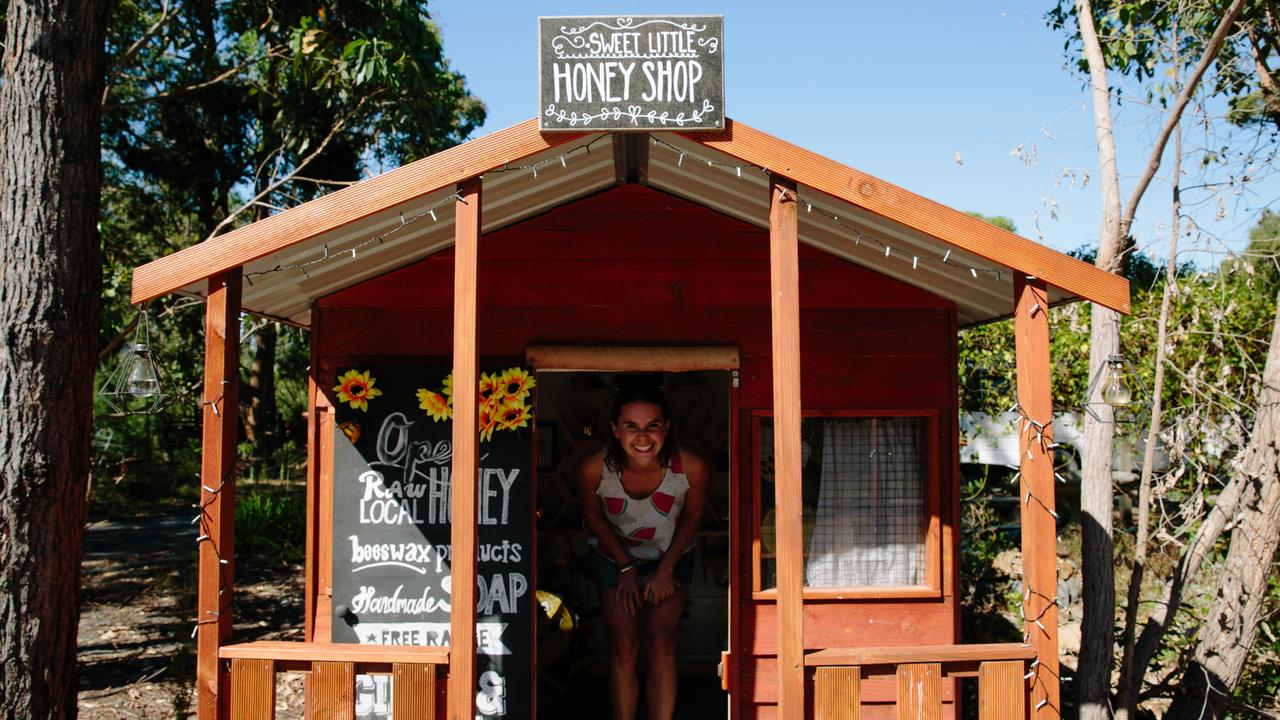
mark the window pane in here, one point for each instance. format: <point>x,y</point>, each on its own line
<point>863,491</point>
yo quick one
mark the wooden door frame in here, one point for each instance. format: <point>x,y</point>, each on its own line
<point>672,359</point>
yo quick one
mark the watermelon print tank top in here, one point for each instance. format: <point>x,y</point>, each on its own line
<point>645,525</point>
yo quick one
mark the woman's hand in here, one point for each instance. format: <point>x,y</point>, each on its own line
<point>628,592</point>
<point>660,586</point>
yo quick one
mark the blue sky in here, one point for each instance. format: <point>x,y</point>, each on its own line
<point>893,93</point>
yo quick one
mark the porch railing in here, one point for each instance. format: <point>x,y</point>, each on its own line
<point>333,668</point>
<point>1000,668</point>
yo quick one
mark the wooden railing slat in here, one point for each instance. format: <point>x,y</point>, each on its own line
<point>334,691</point>
<point>919,653</point>
<point>837,694</point>
<point>334,652</point>
<point>253,690</point>
<point>1002,691</point>
<point>413,691</point>
<point>920,691</point>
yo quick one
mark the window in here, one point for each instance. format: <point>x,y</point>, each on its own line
<point>870,496</point>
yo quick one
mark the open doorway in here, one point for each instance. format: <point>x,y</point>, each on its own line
<point>573,411</point>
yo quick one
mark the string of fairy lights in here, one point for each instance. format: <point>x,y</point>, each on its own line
<point>860,236</point>
<point>1038,432</point>
<point>206,531</point>
<point>1035,434</point>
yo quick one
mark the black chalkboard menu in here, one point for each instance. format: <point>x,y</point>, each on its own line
<point>631,72</point>
<point>391,533</point>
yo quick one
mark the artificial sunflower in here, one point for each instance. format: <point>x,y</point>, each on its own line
<point>356,388</point>
<point>488,423</point>
<point>435,405</point>
<point>448,389</point>
<point>512,415</point>
<point>351,429</point>
<point>516,383</point>
<point>490,389</point>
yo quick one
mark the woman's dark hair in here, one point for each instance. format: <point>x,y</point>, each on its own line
<point>634,392</point>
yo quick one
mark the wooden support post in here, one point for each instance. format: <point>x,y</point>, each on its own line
<point>218,491</point>
<point>1039,526</point>
<point>784,274</point>
<point>466,437</point>
<point>310,582</point>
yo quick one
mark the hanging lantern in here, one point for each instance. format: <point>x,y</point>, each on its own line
<point>137,385</point>
<point>1114,385</point>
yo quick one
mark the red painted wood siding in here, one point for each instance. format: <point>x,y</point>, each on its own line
<point>633,266</point>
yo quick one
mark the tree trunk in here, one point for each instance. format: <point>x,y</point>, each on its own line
<point>1097,631</point>
<point>49,253</point>
<point>262,425</point>
<point>1232,621</point>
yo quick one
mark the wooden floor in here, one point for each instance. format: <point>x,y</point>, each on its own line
<point>700,698</point>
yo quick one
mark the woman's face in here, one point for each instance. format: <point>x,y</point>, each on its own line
<point>642,431</point>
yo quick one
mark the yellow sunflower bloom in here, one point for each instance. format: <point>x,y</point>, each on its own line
<point>516,383</point>
<point>435,405</point>
<point>448,389</point>
<point>356,388</point>
<point>512,415</point>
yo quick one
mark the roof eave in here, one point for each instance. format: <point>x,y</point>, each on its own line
<point>449,167</point>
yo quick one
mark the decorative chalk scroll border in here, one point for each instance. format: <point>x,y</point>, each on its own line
<point>572,37</point>
<point>634,113</point>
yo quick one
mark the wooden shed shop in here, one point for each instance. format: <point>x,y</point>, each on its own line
<point>800,315</point>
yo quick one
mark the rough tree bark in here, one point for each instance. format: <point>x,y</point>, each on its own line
<point>262,425</point>
<point>1223,644</point>
<point>1093,672</point>
<point>1093,669</point>
<point>53,67</point>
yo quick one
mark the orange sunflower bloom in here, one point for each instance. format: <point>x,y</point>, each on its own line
<point>356,388</point>
<point>435,405</point>
<point>516,383</point>
<point>513,415</point>
<point>490,389</point>
<point>448,389</point>
<point>351,429</point>
<point>487,423</point>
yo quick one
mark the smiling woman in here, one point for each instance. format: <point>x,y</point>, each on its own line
<point>642,498</point>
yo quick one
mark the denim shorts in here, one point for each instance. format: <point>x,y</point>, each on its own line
<point>606,573</point>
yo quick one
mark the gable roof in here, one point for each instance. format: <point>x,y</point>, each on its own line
<point>367,229</point>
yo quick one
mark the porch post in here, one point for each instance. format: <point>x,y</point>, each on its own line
<point>1039,530</point>
<point>784,275</point>
<point>218,491</point>
<point>466,436</point>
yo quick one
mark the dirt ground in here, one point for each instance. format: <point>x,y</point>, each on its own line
<point>137,655</point>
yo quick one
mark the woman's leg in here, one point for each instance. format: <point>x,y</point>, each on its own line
<point>624,648</point>
<point>661,623</point>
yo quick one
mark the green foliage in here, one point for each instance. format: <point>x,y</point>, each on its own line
<point>986,591</point>
<point>1138,40</point>
<point>271,525</point>
<point>1219,332</point>
<point>209,105</point>
<point>999,221</point>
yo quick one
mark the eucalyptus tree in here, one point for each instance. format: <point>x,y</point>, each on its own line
<point>221,113</point>
<point>1179,53</point>
<point>52,65</point>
